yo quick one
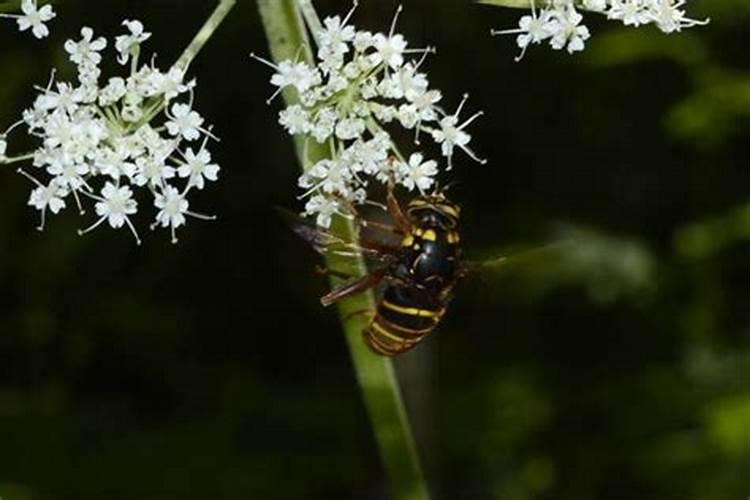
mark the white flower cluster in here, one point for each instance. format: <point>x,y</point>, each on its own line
<point>33,17</point>
<point>361,84</point>
<point>105,142</point>
<point>559,21</point>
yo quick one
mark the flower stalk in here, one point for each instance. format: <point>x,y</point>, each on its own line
<point>205,33</point>
<point>287,38</point>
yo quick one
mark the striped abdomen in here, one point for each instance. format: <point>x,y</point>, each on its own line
<point>404,316</point>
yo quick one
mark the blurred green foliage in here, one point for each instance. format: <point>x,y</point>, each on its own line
<point>610,359</point>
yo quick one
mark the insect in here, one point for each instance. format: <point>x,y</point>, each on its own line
<point>419,272</point>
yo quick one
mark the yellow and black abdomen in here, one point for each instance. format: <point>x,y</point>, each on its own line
<point>404,316</point>
<point>422,278</point>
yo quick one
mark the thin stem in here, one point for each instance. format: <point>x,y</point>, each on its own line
<point>8,160</point>
<point>311,18</point>
<point>205,33</point>
<point>285,30</point>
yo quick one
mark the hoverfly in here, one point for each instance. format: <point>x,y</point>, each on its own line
<point>419,272</point>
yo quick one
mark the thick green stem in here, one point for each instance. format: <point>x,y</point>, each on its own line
<point>205,33</point>
<point>286,33</point>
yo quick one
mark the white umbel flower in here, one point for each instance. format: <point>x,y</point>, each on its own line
<point>363,88</point>
<point>33,17</point>
<point>116,142</point>
<point>559,21</point>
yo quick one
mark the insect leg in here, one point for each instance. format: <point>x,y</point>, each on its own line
<point>386,228</point>
<point>394,208</point>
<point>354,287</point>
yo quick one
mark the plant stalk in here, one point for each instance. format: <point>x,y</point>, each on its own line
<point>205,33</point>
<point>287,36</point>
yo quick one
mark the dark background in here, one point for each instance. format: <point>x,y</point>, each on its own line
<point>618,369</point>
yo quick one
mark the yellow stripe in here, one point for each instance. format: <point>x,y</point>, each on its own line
<point>385,333</point>
<point>413,311</point>
<point>405,331</point>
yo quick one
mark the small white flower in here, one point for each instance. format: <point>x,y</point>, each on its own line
<point>151,171</point>
<point>418,173</point>
<point>325,124</point>
<point>113,92</point>
<point>452,134</point>
<point>291,74</point>
<point>390,50</point>
<point>116,205</point>
<point>3,147</point>
<point>69,174</point>
<point>330,176</point>
<point>51,196</point>
<point>86,51</point>
<point>566,30</point>
<point>184,122</point>
<point>350,128</point>
<point>66,99</point>
<point>630,12</point>
<point>669,17</point>
<point>171,84</point>
<point>125,44</point>
<point>295,119</point>
<point>172,209</point>
<point>533,28</point>
<point>336,35</point>
<point>33,17</point>
<point>595,5</point>
<point>198,167</point>
<point>323,209</point>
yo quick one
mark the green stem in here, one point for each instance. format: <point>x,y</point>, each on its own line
<point>205,33</point>
<point>285,30</point>
<point>311,17</point>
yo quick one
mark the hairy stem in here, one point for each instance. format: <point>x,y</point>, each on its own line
<point>205,33</point>
<point>286,33</point>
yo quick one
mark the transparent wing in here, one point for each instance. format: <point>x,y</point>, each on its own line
<point>326,242</point>
<point>518,257</point>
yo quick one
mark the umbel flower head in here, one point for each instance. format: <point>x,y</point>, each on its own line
<point>33,17</point>
<point>122,143</point>
<point>362,88</point>
<point>559,21</point>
